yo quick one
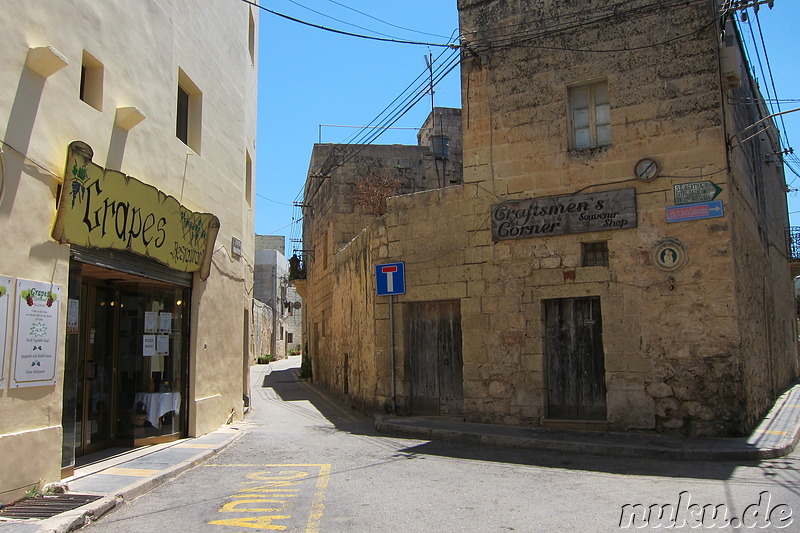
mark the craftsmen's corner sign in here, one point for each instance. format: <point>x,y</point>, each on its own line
<point>104,208</point>
<point>560,215</point>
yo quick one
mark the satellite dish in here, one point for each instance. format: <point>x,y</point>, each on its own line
<point>297,305</point>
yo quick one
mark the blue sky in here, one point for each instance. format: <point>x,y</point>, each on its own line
<point>309,77</point>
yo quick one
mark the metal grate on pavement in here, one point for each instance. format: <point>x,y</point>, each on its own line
<point>46,506</point>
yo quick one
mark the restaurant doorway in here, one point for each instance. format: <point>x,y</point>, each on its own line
<point>126,361</point>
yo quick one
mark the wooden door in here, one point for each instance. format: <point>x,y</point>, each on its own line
<point>575,359</point>
<point>434,355</point>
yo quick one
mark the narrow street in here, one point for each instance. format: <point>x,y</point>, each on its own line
<point>307,463</point>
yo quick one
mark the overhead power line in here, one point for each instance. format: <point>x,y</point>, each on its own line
<point>385,22</point>
<point>347,33</point>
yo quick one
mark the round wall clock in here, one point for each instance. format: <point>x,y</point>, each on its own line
<point>646,169</point>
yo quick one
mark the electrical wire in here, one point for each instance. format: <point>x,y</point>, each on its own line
<point>772,101</point>
<point>611,13</point>
<point>424,73</point>
<point>273,201</point>
<point>339,20</point>
<point>347,33</point>
<point>385,22</point>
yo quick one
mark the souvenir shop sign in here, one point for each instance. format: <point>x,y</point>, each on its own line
<point>35,334</point>
<point>561,215</point>
<point>103,208</point>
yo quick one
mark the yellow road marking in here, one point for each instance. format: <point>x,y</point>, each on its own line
<point>272,488</point>
<point>771,432</point>
<point>318,505</point>
<point>257,522</point>
<point>233,507</point>
<point>134,472</point>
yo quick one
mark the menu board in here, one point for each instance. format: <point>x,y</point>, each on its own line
<point>36,334</point>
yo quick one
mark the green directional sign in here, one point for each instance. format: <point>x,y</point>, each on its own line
<point>696,192</point>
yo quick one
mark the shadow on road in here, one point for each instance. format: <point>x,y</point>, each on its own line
<point>286,385</point>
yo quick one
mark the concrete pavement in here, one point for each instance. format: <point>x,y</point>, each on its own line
<point>122,477</point>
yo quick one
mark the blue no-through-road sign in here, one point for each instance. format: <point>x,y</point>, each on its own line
<point>390,279</point>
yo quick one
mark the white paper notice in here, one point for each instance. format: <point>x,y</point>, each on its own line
<point>6,293</point>
<point>73,315</point>
<point>36,334</point>
<point>149,345</point>
<point>150,321</point>
<point>162,344</point>
<point>165,323</point>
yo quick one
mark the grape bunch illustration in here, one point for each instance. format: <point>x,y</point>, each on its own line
<point>79,182</point>
<point>28,297</point>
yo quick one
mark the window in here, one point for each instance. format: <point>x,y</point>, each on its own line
<point>251,38</point>
<point>189,112</point>
<point>248,177</point>
<point>289,338</point>
<point>91,89</point>
<point>589,116</point>
<point>594,253</point>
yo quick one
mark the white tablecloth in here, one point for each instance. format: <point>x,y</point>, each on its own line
<point>158,404</point>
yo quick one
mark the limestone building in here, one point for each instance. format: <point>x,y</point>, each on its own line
<point>273,289</point>
<point>127,147</point>
<point>346,188</point>
<point>615,257</point>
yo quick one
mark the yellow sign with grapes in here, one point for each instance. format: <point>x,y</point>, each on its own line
<point>104,208</point>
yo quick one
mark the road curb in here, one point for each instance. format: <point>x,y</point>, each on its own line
<point>592,443</point>
<point>77,518</point>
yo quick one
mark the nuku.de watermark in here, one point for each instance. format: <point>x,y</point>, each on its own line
<point>686,514</point>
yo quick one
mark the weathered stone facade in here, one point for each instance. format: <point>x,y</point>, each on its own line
<point>700,346</point>
<point>337,298</point>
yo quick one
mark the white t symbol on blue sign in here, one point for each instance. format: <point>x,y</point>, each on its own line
<point>390,279</point>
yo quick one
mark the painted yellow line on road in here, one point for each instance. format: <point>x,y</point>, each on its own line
<point>318,505</point>
<point>133,472</point>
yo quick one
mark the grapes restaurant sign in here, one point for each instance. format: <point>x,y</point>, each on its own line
<point>104,208</point>
<point>561,215</point>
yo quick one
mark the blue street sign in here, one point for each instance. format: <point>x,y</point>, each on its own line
<point>390,279</point>
<point>679,213</point>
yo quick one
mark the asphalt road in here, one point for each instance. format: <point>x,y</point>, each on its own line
<point>310,464</point>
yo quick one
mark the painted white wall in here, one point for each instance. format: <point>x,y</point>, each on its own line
<point>141,45</point>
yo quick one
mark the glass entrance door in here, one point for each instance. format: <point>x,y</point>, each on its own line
<point>98,364</point>
<point>126,361</point>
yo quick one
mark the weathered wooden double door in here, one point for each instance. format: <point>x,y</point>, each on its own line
<point>575,359</point>
<point>434,355</point>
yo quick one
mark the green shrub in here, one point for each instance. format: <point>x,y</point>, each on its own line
<point>265,359</point>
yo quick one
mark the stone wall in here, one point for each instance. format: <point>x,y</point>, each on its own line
<point>702,349</point>
<point>262,330</point>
